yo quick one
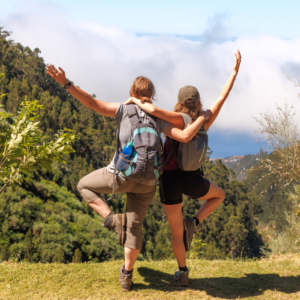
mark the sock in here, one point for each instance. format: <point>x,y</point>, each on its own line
<point>108,220</point>
<point>196,220</point>
<point>183,269</point>
<point>125,272</point>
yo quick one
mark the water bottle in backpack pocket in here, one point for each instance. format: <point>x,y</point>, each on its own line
<point>122,163</point>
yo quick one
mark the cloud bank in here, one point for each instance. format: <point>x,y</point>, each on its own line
<point>105,61</point>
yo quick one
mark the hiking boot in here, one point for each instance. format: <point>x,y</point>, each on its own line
<point>125,280</point>
<point>182,277</point>
<point>117,223</point>
<point>189,227</point>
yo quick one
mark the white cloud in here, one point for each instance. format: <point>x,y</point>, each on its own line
<point>105,61</point>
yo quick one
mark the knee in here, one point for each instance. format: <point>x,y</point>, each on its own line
<point>177,234</point>
<point>134,238</point>
<point>222,195</point>
<point>83,192</point>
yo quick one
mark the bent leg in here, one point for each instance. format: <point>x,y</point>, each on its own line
<point>213,198</point>
<point>100,181</point>
<point>175,218</point>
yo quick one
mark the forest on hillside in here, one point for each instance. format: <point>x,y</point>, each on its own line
<point>45,220</point>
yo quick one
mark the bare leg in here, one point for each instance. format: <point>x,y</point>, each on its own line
<point>174,214</point>
<point>213,198</point>
<point>130,257</point>
<point>100,207</point>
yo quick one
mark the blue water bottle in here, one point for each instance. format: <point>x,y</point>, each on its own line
<point>126,152</point>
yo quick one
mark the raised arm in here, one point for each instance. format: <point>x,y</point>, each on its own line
<point>189,132</point>
<point>101,107</point>
<point>171,117</point>
<point>216,107</point>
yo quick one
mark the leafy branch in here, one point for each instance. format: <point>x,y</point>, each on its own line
<point>21,149</point>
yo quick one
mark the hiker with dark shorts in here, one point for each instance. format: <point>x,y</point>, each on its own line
<point>139,190</point>
<point>182,173</point>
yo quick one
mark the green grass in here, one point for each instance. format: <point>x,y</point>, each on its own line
<point>275,278</point>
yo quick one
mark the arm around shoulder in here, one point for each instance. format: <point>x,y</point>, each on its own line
<point>186,134</point>
<point>171,117</point>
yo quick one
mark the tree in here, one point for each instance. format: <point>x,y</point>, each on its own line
<point>28,244</point>
<point>21,149</point>
<point>77,257</point>
<point>59,255</point>
<point>282,134</point>
<point>4,254</point>
<point>288,240</point>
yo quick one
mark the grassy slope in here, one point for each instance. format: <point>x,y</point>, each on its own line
<point>274,278</point>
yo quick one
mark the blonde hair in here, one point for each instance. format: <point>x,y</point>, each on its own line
<point>191,109</point>
<point>142,88</point>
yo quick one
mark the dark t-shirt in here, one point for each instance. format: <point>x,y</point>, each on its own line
<point>172,164</point>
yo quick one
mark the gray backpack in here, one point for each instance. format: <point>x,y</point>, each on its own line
<point>191,155</point>
<point>145,162</point>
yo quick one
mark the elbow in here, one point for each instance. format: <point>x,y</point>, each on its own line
<point>152,110</point>
<point>185,139</point>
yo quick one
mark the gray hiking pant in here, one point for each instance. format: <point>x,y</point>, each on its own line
<point>139,197</point>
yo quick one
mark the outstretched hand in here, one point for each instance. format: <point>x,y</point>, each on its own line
<point>238,59</point>
<point>57,75</point>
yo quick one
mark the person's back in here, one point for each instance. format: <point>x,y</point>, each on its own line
<point>124,135</point>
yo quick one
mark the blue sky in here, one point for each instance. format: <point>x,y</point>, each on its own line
<point>104,45</point>
<point>190,17</point>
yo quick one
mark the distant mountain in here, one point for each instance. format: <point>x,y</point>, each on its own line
<point>241,163</point>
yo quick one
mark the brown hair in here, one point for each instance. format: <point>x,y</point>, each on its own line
<point>142,88</point>
<point>191,109</point>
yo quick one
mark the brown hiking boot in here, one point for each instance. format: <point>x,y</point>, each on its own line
<point>182,277</point>
<point>117,223</point>
<point>189,227</point>
<point>125,280</point>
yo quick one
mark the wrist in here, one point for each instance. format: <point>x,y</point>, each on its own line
<point>64,82</point>
<point>203,117</point>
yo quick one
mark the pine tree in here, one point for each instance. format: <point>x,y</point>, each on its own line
<point>28,245</point>
<point>4,255</point>
<point>59,255</point>
<point>77,257</point>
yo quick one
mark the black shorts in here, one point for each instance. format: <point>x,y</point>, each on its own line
<point>177,182</point>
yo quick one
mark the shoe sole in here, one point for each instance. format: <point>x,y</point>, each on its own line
<point>179,283</point>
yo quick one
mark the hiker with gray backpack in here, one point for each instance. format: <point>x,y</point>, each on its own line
<point>182,162</point>
<point>135,167</point>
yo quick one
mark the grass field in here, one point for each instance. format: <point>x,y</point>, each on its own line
<point>274,278</point>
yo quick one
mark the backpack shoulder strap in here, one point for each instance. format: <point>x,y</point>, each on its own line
<point>133,115</point>
<point>152,120</point>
